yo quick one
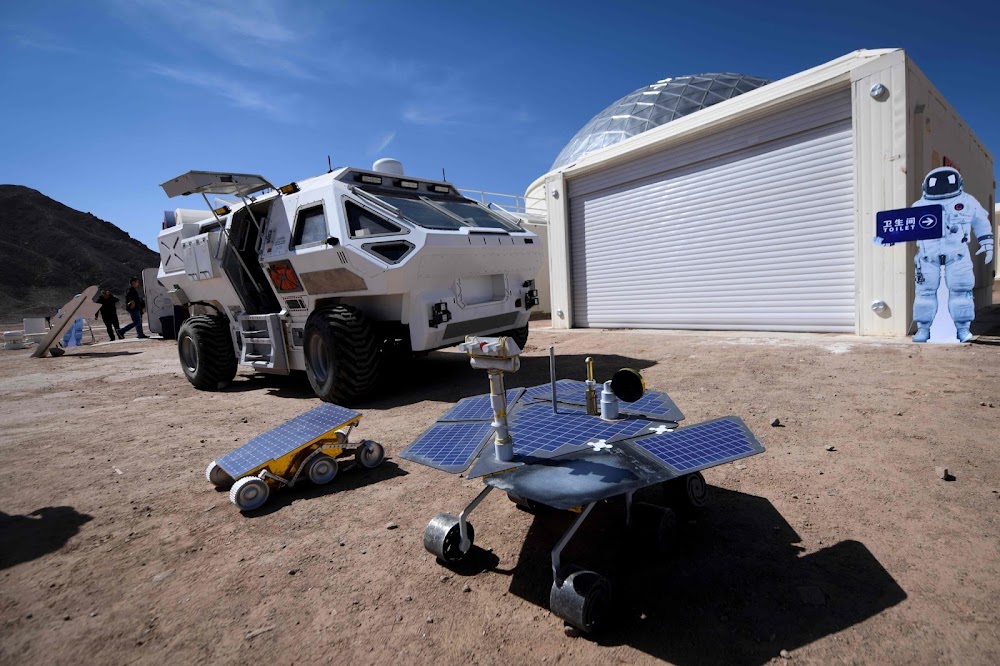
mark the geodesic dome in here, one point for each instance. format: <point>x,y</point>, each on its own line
<point>652,106</point>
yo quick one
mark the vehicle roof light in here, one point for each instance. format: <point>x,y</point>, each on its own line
<point>441,188</point>
<point>291,188</point>
<point>222,210</point>
<point>409,184</point>
<point>373,180</point>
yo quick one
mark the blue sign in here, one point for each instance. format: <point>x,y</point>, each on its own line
<point>909,224</point>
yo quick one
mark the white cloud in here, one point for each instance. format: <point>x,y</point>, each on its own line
<point>237,94</point>
<point>40,40</point>
<point>381,143</point>
<point>263,36</point>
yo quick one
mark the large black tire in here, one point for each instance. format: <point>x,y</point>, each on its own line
<point>206,352</point>
<point>341,353</point>
<point>520,335</point>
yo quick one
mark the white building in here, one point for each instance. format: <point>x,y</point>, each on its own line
<point>756,212</point>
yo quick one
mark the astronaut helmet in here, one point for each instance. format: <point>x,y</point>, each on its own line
<point>942,183</point>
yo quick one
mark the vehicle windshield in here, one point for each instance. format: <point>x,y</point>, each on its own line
<point>477,216</point>
<point>426,214</point>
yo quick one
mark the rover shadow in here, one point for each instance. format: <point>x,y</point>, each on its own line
<point>346,481</point>
<point>737,588</point>
<point>475,562</point>
<point>43,531</point>
<point>447,376</point>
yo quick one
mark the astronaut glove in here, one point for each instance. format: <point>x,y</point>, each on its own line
<point>986,245</point>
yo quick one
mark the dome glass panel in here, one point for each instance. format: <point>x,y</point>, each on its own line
<point>652,106</point>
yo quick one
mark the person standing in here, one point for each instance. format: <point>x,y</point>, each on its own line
<point>109,313</point>
<point>135,307</point>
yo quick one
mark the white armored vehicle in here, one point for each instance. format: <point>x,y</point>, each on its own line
<point>333,273</point>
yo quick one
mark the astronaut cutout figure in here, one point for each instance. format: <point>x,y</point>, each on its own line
<point>949,254</point>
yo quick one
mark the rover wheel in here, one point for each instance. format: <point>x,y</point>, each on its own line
<point>582,600</point>
<point>442,538</point>
<point>370,454</point>
<point>341,354</point>
<point>520,335</point>
<point>322,469</point>
<point>217,476</point>
<point>249,493</point>
<point>205,349</point>
<point>695,489</point>
<point>655,525</point>
<point>522,503</point>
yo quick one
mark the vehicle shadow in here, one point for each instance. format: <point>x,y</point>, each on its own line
<point>737,588</point>
<point>441,376</point>
<point>43,531</point>
<point>448,377</point>
<point>294,385</point>
<point>101,354</point>
<point>345,481</point>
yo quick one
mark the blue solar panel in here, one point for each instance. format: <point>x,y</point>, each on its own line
<point>653,404</point>
<point>703,445</point>
<point>567,390</point>
<point>449,447</point>
<point>478,408</point>
<point>535,428</point>
<point>284,439</point>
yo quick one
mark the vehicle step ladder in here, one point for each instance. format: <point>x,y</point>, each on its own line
<point>263,343</point>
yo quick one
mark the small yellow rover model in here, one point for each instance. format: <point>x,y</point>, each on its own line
<point>313,445</point>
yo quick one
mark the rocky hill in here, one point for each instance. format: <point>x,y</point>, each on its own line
<point>49,252</point>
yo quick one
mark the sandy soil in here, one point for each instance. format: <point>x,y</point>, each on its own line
<point>114,549</point>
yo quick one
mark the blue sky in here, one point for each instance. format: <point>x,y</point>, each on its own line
<point>104,100</point>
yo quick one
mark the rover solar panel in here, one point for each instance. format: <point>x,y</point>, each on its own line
<point>285,438</point>
<point>565,389</point>
<point>478,408</point>
<point>703,445</point>
<point>653,404</point>
<point>449,447</point>
<point>536,430</point>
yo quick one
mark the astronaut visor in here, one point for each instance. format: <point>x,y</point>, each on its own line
<point>942,185</point>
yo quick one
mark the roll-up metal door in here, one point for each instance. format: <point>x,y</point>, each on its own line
<point>750,228</point>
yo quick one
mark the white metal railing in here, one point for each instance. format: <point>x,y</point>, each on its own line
<point>532,208</point>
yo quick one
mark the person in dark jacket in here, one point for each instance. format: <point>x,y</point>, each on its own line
<point>109,313</point>
<point>135,307</point>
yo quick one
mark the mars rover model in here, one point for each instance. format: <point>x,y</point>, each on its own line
<point>558,446</point>
<point>333,273</point>
<point>313,446</point>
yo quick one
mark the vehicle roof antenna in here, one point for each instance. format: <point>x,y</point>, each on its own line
<point>329,164</point>
<point>443,177</point>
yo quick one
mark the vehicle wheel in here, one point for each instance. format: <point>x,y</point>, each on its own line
<point>370,454</point>
<point>322,469</point>
<point>217,476</point>
<point>443,539</point>
<point>582,600</point>
<point>520,335</point>
<point>249,493</point>
<point>206,352</point>
<point>341,354</point>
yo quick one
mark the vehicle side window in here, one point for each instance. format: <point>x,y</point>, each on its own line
<point>310,226</point>
<point>362,223</point>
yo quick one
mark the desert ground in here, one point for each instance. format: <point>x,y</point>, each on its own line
<point>115,550</point>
